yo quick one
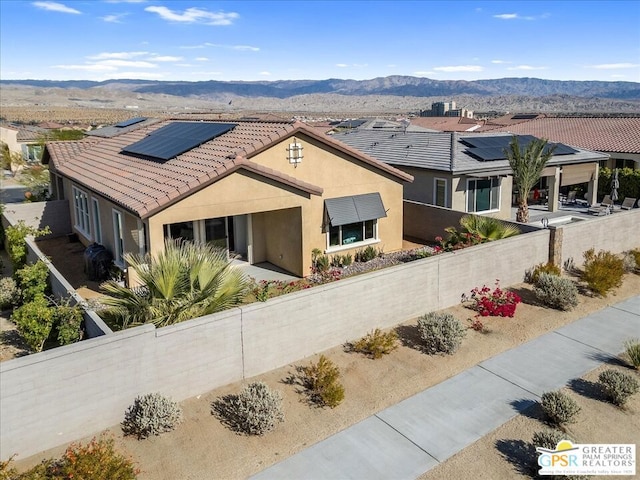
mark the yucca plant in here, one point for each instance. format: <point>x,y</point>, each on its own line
<point>185,281</point>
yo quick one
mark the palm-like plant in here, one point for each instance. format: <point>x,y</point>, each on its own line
<point>527,164</point>
<point>488,228</point>
<point>185,281</point>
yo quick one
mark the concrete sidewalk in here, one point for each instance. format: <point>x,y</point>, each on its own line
<point>410,438</point>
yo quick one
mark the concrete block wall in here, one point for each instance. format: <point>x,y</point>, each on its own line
<point>616,233</point>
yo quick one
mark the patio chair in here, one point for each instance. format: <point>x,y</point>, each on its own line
<point>628,203</point>
<point>605,207</point>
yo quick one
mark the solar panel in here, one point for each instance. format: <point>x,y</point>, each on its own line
<point>131,121</point>
<point>524,116</point>
<point>492,148</point>
<point>488,153</point>
<point>176,138</point>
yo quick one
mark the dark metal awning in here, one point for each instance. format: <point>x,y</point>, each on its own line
<point>356,208</point>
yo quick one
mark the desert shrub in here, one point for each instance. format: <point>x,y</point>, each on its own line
<point>9,293</point>
<point>322,381</point>
<point>255,411</point>
<point>97,460</point>
<point>602,271</point>
<point>441,332</point>
<point>632,349</point>
<point>319,262</point>
<point>559,407</point>
<point>151,414</point>
<point>33,280</point>
<point>556,292</point>
<point>628,262</point>
<point>367,253</point>
<point>340,261</point>
<point>531,276</point>
<point>636,257</point>
<point>618,386</point>
<point>376,343</point>
<point>67,321</point>
<point>549,439</point>
<point>34,320</point>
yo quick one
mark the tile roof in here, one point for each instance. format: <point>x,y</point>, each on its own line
<point>146,186</point>
<point>605,134</point>
<point>441,151</point>
<point>447,124</point>
<point>26,133</point>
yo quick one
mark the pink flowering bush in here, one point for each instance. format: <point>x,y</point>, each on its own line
<point>494,303</point>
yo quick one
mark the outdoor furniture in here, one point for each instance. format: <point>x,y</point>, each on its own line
<point>605,207</point>
<point>628,203</point>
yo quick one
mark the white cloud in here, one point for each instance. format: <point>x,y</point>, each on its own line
<point>499,62</point>
<point>618,76</point>
<point>266,74</point>
<point>89,67</point>
<point>165,58</point>
<point>202,59</point>
<point>342,65</point>
<point>614,66</point>
<point>125,1</point>
<point>459,68</point>
<point>515,16</point>
<point>526,67</point>
<point>506,16</point>
<point>354,65</point>
<point>246,48</point>
<point>127,63</point>
<point>117,55</point>
<point>115,18</point>
<point>194,15</point>
<point>56,7</point>
<point>241,48</point>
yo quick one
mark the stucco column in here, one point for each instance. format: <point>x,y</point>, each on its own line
<point>553,183</point>
<point>592,189</point>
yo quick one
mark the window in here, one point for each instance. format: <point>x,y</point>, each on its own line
<point>353,221</point>
<point>483,194</point>
<point>97,226</point>
<point>344,235</point>
<point>184,230</point>
<point>440,192</point>
<point>81,210</point>
<point>118,238</point>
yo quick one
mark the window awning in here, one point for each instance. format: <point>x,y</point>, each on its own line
<point>356,208</point>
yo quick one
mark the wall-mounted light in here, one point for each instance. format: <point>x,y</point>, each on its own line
<point>294,152</point>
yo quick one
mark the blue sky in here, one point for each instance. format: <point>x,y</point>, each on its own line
<point>197,40</point>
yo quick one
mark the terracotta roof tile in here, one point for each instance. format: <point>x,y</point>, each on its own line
<point>145,186</point>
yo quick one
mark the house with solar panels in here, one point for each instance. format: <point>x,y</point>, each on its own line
<point>469,172</point>
<point>267,191</point>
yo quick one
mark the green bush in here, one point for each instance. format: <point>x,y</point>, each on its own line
<point>628,179</point>
<point>632,349</point>
<point>321,379</point>
<point>67,321</point>
<point>255,411</point>
<point>602,271</point>
<point>33,280</point>
<point>441,332</point>
<point>151,414</point>
<point>531,276</point>
<point>340,261</point>
<point>9,293</point>
<point>366,254</point>
<point>376,343</point>
<point>319,262</point>
<point>618,386</point>
<point>34,320</point>
<point>559,407</point>
<point>549,439</point>
<point>556,292</point>
<point>16,242</point>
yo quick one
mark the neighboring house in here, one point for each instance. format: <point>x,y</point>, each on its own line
<point>23,139</point>
<point>268,191</point>
<point>618,137</point>
<point>468,172</point>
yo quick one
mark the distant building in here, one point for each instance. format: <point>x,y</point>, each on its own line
<point>446,109</point>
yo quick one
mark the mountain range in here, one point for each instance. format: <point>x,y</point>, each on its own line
<point>393,85</point>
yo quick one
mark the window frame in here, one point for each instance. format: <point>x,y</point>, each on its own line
<point>346,246</point>
<point>118,238</point>
<point>497,188</point>
<point>435,191</point>
<point>97,221</point>
<point>82,214</point>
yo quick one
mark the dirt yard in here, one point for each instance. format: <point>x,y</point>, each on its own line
<point>202,448</point>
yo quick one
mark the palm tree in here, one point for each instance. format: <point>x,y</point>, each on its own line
<point>488,228</point>
<point>527,165</point>
<point>187,280</point>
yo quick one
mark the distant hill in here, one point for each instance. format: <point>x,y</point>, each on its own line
<point>393,85</point>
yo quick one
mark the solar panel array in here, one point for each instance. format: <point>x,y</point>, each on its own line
<point>176,138</point>
<point>131,121</point>
<point>524,116</point>
<point>492,148</point>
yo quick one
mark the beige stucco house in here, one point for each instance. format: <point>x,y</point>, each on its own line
<point>267,191</point>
